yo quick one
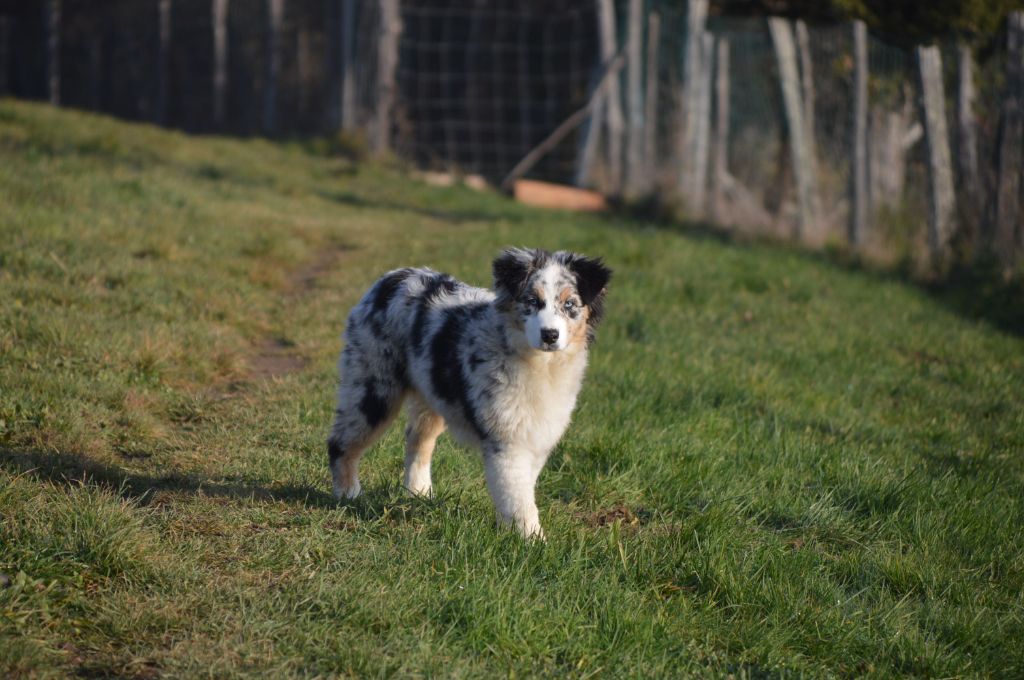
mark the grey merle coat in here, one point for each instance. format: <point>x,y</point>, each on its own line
<point>500,369</point>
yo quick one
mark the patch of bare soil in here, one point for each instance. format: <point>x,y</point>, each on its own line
<point>603,517</point>
<point>275,358</point>
<point>304,279</point>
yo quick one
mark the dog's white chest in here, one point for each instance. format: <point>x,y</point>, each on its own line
<point>537,405</point>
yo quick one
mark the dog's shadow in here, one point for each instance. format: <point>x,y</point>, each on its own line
<point>379,502</point>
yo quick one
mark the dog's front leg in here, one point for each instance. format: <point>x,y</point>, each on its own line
<point>511,477</point>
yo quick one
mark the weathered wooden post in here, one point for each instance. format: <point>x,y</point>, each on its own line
<point>634,98</point>
<point>163,61</point>
<point>348,66</point>
<point>892,134</point>
<point>613,100</point>
<point>272,62</point>
<point>340,66</point>
<point>941,196</point>
<point>651,102</point>
<point>967,140</point>
<point>52,27</point>
<point>860,202</point>
<point>1008,233</point>
<point>219,16</point>
<point>606,119</point>
<point>702,149</point>
<point>720,154</point>
<point>689,179</point>
<point>387,65</point>
<point>785,54</point>
<point>803,48</point>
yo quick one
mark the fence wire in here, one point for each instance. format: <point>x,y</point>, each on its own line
<point>479,84</point>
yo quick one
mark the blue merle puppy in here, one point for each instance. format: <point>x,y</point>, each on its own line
<point>501,369</point>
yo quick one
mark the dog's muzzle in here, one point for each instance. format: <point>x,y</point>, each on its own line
<point>549,339</point>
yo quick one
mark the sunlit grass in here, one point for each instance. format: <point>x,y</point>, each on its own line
<point>777,466</point>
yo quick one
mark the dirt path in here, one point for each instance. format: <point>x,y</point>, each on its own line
<point>275,357</point>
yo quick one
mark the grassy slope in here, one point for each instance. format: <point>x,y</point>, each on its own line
<point>777,465</point>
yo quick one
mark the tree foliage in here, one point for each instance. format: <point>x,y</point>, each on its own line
<point>904,20</point>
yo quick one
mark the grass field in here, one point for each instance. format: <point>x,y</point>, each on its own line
<point>779,467</point>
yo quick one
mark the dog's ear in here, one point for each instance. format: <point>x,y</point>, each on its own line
<point>511,270</point>
<point>592,277</point>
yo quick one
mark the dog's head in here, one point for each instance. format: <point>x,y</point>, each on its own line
<point>555,298</point>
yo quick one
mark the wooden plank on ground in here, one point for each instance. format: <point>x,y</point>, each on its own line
<point>559,196</point>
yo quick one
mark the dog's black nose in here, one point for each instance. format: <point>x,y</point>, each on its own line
<point>549,335</point>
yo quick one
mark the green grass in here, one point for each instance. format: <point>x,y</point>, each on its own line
<point>778,467</point>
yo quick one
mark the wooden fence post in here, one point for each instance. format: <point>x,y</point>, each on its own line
<point>163,61</point>
<point>967,141</point>
<point>941,198</point>
<point>651,103</point>
<point>1011,154</point>
<point>634,99</point>
<point>720,154</point>
<point>612,98</point>
<point>219,12</point>
<point>272,59</point>
<point>52,26</point>
<point>689,181</point>
<point>591,138</point>
<point>803,47</point>
<point>785,53</point>
<point>892,134</point>
<point>702,148</point>
<point>596,124</point>
<point>348,61</point>
<point>387,65</point>
<point>860,202</point>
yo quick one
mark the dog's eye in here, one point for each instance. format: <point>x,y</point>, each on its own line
<point>533,301</point>
<point>569,305</point>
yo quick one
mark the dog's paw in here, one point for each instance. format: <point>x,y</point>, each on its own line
<point>347,492</point>
<point>529,530</point>
<point>533,533</point>
<point>420,491</point>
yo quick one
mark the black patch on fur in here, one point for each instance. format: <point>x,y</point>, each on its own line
<point>499,331</point>
<point>334,450</point>
<point>373,406</point>
<point>592,278</point>
<point>446,374</point>
<point>397,363</point>
<point>438,285</point>
<point>386,288</point>
<point>512,269</point>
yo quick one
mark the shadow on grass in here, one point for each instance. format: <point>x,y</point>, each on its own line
<point>453,216</point>
<point>382,502</point>
<point>978,292</point>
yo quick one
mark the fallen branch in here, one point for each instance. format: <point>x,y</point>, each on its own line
<point>567,126</point>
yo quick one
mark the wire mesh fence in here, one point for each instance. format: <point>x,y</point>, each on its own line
<point>699,116</point>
